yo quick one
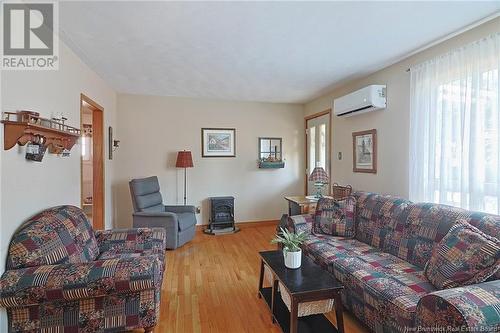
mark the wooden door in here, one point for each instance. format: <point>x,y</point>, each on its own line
<point>97,142</point>
<point>318,146</point>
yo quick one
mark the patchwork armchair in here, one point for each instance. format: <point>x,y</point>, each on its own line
<point>149,211</point>
<point>61,276</point>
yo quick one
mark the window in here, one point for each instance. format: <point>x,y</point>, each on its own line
<point>455,128</point>
<point>87,142</point>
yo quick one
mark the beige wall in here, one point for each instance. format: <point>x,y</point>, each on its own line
<point>153,129</point>
<point>28,187</point>
<point>392,124</point>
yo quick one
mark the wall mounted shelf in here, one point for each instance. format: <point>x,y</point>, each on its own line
<point>271,165</point>
<point>23,127</point>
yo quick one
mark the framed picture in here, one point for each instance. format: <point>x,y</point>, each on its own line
<point>364,151</point>
<point>218,142</point>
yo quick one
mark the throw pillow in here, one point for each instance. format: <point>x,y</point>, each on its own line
<point>335,217</point>
<point>464,256</point>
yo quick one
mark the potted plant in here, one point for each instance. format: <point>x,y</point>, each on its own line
<point>291,242</point>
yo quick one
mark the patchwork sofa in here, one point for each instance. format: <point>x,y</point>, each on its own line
<point>61,276</point>
<point>382,267</point>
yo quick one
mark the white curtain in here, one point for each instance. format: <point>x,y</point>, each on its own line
<point>455,128</point>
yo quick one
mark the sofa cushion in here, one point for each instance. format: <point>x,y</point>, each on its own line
<point>131,240</point>
<point>58,235</point>
<point>376,215</point>
<point>324,249</point>
<point>146,195</point>
<point>335,217</point>
<point>386,289</point>
<point>381,289</point>
<point>118,254</point>
<point>35,285</point>
<point>490,225</point>
<point>464,256</point>
<point>419,228</point>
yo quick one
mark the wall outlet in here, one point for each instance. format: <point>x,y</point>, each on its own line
<point>198,210</point>
<point>339,155</point>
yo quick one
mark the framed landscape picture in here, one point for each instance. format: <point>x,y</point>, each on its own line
<point>218,142</point>
<point>364,151</point>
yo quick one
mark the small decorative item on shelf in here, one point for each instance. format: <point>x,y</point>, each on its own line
<point>270,153</point>
<point>292,253</point>
<point>320,179</point>
<point>341,192</point>
<point>28,116</point>
<point>65,153</point>
<point>35,150</point>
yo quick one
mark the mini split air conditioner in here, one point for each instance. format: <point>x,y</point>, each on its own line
<point>368,99</point>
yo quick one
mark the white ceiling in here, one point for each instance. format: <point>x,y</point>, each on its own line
<point>259,51</point>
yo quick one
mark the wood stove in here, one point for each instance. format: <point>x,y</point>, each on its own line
<point>221,216</point>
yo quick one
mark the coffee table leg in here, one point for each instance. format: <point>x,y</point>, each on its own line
<point>294,312</point>
<point>261,278</point>
<point>273,298</point>
<point>339,312</point>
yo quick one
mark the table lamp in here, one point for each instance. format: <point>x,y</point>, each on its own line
<point>320,179</point>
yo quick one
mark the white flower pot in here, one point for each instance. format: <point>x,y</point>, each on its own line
<point>292,259</point>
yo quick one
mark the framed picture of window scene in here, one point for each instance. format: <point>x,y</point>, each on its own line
<point>364,151</point>
<point>218,142</point>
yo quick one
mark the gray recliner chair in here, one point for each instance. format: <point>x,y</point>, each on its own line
<point>149,211</point>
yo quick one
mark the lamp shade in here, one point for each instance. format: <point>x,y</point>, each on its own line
<point>319,175</point>
<point>184,160</point>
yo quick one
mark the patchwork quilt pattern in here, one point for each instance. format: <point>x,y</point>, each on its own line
<point>324,249</point>
<point>382,268</point>
<point>380,289</point>
<point>419,228</point>
<point>117,290</point>
<point>375,217</point>
<point>300,223</point>
<point>474,308</point>
<point>59,235</point>
<point>131,240</point>
<point>116,313</point>
<point>335,217</point>
<point>35,285</point>
<point>464,256</point>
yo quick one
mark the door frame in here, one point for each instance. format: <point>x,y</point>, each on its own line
<point>98,144</point>
<point>329,153</point>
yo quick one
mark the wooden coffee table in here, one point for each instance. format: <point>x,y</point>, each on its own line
<point>306,284</point>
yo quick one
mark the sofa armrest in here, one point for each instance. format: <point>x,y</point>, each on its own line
<point>131,240</point>
<point>471,308</point>
<point>36,285</point>
<point>180,209</point>
<point>300,223</point>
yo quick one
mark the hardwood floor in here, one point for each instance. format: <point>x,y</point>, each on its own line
<point>210,285</point>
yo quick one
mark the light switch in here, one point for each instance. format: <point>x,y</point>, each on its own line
<point>339,155</point>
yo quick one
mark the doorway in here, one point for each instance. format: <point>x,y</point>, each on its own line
<point>318,143</point>
<point>92,161</point>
